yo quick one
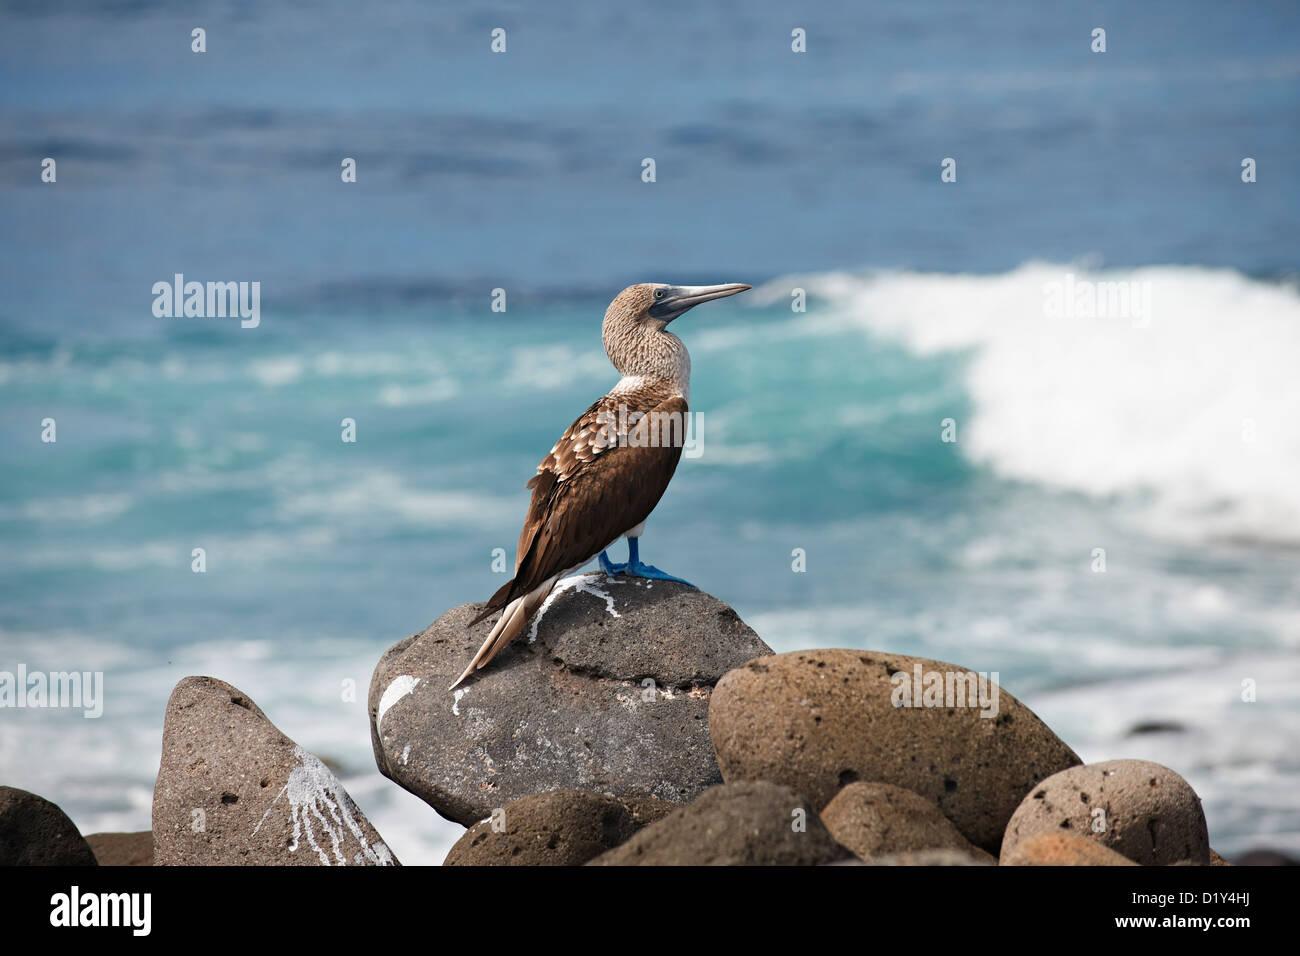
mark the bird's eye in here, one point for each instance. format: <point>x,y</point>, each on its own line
<point>659,293</point>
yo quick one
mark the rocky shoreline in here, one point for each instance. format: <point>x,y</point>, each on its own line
<point>643,723</point>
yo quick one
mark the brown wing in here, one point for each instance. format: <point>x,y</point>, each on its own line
<point>603,477</point>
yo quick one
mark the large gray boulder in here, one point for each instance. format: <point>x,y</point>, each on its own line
<point>606,691</point>
<point>233,790</point>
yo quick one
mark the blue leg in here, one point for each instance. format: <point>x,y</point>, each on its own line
<point>637,569</point>
<point>608,566</point>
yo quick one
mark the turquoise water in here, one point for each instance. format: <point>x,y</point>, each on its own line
<point>821,429</point>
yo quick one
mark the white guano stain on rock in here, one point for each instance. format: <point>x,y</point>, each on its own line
<point>455,704</point>
<point>406,754</point>
<point>579,582</point>
<point>395,691</point>
<point>317,799</point>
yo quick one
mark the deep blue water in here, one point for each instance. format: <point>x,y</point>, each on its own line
<point>523,171</point>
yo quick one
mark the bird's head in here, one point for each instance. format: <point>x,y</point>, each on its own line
<point>633,332</point>
<point>655,304</point>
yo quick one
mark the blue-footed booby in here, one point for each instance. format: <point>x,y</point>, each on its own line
<point>610,467</point>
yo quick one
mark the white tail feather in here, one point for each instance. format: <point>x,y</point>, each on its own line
<point>514,618</point>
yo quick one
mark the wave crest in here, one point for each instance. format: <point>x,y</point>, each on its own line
<point>1192,407</point>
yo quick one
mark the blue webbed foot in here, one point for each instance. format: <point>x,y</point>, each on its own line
<point>608,566</point>
<point>640,570</point>
<point>635,568</point>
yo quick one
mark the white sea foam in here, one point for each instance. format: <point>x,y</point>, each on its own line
<point>1194,406</point>
<point>379,494</point>
<point>276,371</point>
<point>547,366</point>
<point>72,508</point>
<point>424,393</point>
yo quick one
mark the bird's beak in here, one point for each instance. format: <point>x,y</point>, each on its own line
<point>679,298</point>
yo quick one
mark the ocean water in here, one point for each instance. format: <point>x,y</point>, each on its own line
<point>1164,435</point>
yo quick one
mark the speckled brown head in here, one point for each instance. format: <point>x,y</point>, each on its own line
<point>634,331</point>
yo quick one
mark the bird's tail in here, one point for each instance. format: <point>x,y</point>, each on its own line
<point>514,618</point>
<point>495,603</point>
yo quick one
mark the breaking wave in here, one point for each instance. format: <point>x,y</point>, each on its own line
<point>1173,385</point>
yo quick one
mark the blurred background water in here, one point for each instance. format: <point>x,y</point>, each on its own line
<point>821,429</point>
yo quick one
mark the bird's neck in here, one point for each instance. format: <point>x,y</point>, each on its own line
<point>649,356</point>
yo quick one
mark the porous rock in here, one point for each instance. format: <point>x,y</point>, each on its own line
<point>819,720</point>
<point>606,691</point>
<point>35,832</point>
<point>556,828</point>
<point>233,790</point>
<point>879,819</point>
<point>753,823</point>
<point>1141,810</point>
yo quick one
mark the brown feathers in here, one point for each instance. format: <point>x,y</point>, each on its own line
<point>580,507</point>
